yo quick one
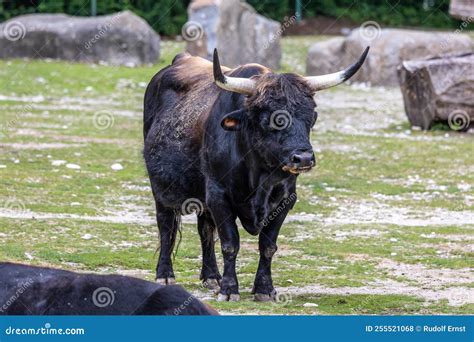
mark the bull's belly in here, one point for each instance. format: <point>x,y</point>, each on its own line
<point>176,178</point>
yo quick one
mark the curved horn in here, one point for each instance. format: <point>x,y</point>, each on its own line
<point>331,80</point>
<point>239,85</point>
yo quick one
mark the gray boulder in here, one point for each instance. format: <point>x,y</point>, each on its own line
<point>233,27</point>
<point>119,39</point>
<point>325,57</point>
<point>439,89</point>
<point>462,9</point>
<point>388,48</point>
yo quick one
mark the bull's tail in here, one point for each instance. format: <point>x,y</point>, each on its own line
<point>179,234</point>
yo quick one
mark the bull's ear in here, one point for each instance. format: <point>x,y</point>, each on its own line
<point>233,120</point>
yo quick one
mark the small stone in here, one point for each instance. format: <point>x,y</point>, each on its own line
<point>310,305</point>
<point>58,162</point>
<point>117,167</point>
<point>86,236</point>
<point>29,256</point>
<point>73,166</point>
<point>393,240</point>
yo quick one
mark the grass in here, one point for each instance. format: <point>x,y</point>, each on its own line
<point>380,196</point>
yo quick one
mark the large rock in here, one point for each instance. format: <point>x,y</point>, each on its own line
<point>388,48</point>
<point>233,27</point>
<point>462,9</point>
<point>325,57</point>
<point>439,89</point>
<point>121,38</point>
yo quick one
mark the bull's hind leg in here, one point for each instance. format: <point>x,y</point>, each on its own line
<point>209,273</point>
<point>168,225</point>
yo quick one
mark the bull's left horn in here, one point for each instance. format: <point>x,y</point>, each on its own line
<point>236,84</point>
<point>330,80</point>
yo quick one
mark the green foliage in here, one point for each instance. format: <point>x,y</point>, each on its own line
<point>165,16</point>
<point>275,9</point>
<point>168,16</point>
<point>428,13</point>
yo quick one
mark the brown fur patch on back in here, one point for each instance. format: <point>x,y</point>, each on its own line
<point>193,81</point>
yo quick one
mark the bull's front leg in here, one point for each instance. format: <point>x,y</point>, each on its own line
<point>267,244</point>
<point>224,219</point>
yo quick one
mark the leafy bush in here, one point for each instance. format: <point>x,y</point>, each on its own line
<point>168,16</point>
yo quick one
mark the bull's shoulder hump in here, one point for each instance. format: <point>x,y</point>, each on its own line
<point>248,70</point>
<point>187,68</point>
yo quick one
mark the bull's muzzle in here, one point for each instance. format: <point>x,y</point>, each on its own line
<point>300,162</point>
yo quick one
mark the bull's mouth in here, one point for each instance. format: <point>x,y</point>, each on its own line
<point>296,170</point>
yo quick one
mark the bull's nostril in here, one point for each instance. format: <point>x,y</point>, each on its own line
<point>296,159</point>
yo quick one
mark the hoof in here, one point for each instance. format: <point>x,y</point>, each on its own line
<point>212,284</point>
<point>263,297</point>
<point>166,281</point>
<point>228,298</point>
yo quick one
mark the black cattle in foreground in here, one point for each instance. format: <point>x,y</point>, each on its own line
<point>28,290</point>
<point>228,144</point>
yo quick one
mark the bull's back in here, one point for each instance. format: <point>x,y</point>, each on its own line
<point>177,104</point>
<point>179,97</point>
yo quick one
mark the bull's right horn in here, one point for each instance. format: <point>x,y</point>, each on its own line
<point>239,85</point>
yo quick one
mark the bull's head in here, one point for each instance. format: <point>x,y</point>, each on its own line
<point>279,113</point>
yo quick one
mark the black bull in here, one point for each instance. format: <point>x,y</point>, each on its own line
<point>228,154</point>
<point>31,290</point>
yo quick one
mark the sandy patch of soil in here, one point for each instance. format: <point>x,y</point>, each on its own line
<point>38,146</point>
<point>363,212</point>
<point>456,296</point>
<point>428,277</point>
